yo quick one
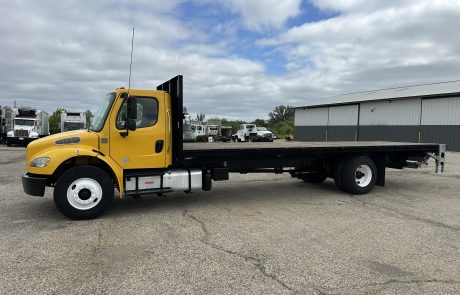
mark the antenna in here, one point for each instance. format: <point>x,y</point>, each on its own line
<point>131,62</point>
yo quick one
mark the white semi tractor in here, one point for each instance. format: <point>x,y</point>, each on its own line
<point>73,120</point>
<point>28,125</point>
<point>6,122</point>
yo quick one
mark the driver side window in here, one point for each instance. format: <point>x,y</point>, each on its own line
<point>147,113</point>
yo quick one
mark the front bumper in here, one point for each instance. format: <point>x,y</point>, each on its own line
<point>34,185</point>
<point>264,138</point>
<point>20,140</point>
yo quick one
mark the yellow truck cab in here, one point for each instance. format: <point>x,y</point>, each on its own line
<point>135,144</point>
<point>127,132</point>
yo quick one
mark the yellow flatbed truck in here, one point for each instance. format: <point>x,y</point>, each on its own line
<point>135,145</point>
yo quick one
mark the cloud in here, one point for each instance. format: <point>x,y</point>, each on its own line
<point>264,14</point>
<point>375,45</point>
<point>70,53</point>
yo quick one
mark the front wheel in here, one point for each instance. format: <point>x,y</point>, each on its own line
<point>83,192</point>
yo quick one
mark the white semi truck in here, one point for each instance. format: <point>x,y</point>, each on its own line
<point>73,120</point>
<point>6,122</point>
<point>28,125</point>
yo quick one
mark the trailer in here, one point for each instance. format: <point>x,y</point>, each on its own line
<point>73,120</point>
<point>6,122</point>
<point>135,145</point>
<point>29,124</point>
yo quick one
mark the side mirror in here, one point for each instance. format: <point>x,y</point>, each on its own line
<point>132,108</point>
<point>131,125</point>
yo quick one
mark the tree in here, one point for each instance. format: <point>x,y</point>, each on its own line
<point>281,113</point>
<point>185,111</point>
<point>200,117</point>
<point>234,124</point>
<point>260,123</point>
<point>55,121</point>
<point>282,121</point>
<point>89,118</point>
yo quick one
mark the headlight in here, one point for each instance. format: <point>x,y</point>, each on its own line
<point>40,162</point>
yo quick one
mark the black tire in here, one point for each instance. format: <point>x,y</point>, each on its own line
<point>79,173</point>
<point>314,177</point>
<point>338,172</point>
<point>8,144</point>
<point>350,174</point>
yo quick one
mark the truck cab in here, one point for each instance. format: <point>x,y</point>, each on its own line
<point>128,145</point>
<point>28,125</point>
<point>73,120</point>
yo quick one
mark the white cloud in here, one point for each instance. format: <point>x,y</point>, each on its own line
<point>376,45</point>
<point>68,54</point>
<point>264,14</point>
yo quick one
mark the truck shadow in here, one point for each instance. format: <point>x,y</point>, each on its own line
<point>250,194</point>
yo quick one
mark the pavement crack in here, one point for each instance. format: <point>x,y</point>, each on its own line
<point>97,247</point>
<point>407,215</point>
<point>258,263</point>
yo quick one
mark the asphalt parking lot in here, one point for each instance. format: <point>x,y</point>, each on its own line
<point>255,234</point>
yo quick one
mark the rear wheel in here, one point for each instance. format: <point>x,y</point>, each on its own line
<point>83,192</point>
<point>359,175</point>
<point>338,170</point>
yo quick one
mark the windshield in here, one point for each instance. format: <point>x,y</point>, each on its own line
<point>101,114</point>
<point>23,122</point>
<point>261,129</point>
<point>69,126</point>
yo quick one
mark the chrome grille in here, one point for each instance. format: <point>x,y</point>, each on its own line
<point>21,133</point>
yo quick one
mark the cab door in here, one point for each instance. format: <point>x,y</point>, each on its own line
<point>145,147</point>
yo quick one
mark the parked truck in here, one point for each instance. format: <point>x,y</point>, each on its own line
<point>252,133</point>
<point>135,145</point>
<point>28,124</point>
<point>73,120</point>
<point>6,122</point>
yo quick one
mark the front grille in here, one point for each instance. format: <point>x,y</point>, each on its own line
<point>21,133</point>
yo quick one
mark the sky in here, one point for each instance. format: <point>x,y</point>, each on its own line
<point>239,58</point>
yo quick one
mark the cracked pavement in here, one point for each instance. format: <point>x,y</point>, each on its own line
<point>255,234</point>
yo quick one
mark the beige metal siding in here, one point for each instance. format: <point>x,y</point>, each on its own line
<point>404,112</point>
<point>441,111</point>
<point>343,115</point>
<point>311,117</point>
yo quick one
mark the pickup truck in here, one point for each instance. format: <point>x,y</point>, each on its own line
<point>135,145</point>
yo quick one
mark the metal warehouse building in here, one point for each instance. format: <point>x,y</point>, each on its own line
<point>421,113</point>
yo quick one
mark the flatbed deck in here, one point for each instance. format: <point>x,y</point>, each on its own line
<point>279,152</point>
<point>283,144</point>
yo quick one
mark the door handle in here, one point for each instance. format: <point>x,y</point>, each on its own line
<point>159,146</point>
